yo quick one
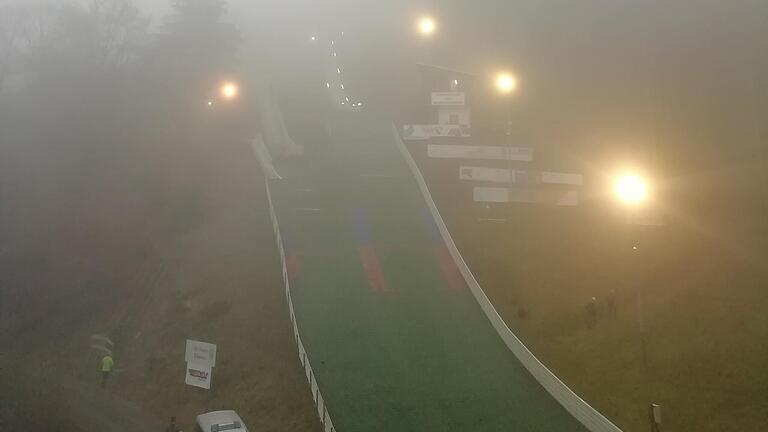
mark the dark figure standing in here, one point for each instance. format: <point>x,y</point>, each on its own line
<point>612,303</point>
<point>172,427</point>
<point>591,308</point>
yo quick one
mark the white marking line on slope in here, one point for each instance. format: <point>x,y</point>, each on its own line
<point>305,190</point>
<point>387,176</point>
<point>491,220</point>
<point>308,209</point>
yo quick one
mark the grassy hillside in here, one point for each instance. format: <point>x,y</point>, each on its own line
<point>151,235</point>
<point>701,279</point>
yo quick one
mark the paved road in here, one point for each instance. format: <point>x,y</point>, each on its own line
<point>397,340</point>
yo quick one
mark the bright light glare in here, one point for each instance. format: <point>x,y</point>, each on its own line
<point>506,83</point>
<point>229,90</point>
<point>313,38</point>
<point>631,189</point>
<point>210,103</point>
<point>427,26</point>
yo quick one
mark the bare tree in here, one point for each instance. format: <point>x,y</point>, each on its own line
<point>47,39</point>
<point>120,30</point>
<point>26,33</point>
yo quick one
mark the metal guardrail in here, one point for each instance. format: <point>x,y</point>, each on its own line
<point>322,409</point>
<point>576,406</point>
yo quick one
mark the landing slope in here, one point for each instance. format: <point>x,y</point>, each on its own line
<point>397,339</point>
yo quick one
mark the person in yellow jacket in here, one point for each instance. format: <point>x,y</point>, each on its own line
<point>107,367</point>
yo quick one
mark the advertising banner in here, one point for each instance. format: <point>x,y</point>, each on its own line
<point>501,175</point>
<point>494,175</point>
<point>562,178</point>
<point>491,194</point>
<point>198,375</point>
<point>415,132</point>
<point>448,98</point>
<point>524,195</point>
<point>524,154</point>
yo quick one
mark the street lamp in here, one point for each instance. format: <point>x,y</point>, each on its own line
<point>632,190</point>
<point>229,90</point>
<point>427,26</point>
<point>506,83</point>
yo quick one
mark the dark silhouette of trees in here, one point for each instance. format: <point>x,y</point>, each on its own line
<point>196,46</point>
<point>51,43</point>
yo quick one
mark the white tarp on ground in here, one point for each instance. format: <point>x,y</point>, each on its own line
<point>448,98</point>
<point>524,154</point>
<point>415,132</point>
<point>502,175</point>
<point>525,195</point>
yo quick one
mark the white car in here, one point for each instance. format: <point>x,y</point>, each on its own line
<point>220,421</point>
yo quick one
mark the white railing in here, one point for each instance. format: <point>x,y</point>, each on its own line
<point>576,406</point>
<point>322,409</point>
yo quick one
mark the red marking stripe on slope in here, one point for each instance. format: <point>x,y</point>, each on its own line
<point>450,271</point>
<point>373,268</point>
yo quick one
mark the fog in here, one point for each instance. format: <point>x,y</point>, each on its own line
<point>128,186</point>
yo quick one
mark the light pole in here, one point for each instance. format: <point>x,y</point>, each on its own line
<point>426,28</point>
<point>506,85</point>
<point>632,191</point>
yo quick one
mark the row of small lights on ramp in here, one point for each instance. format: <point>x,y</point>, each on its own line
<point>358,104</point>
<point>631,188</point>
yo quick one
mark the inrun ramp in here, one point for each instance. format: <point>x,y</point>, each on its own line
<point>396,339</point>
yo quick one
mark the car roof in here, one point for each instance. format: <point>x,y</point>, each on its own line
<point>226,417</point>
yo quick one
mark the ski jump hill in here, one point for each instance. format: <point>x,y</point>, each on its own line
<point>393,330</point>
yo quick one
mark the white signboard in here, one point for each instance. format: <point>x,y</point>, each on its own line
<point>448,98</point>
<point>570,198</point>
<point>480,152</point>
<point>200,353</point>
<point>454,115</point>
<point>198,375</point>
<point>522,195</point>
<point>491,194</point>
<point>414,132</point>
<point>500,175</point>
<point>495,175</point>
<point>562,178</point>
